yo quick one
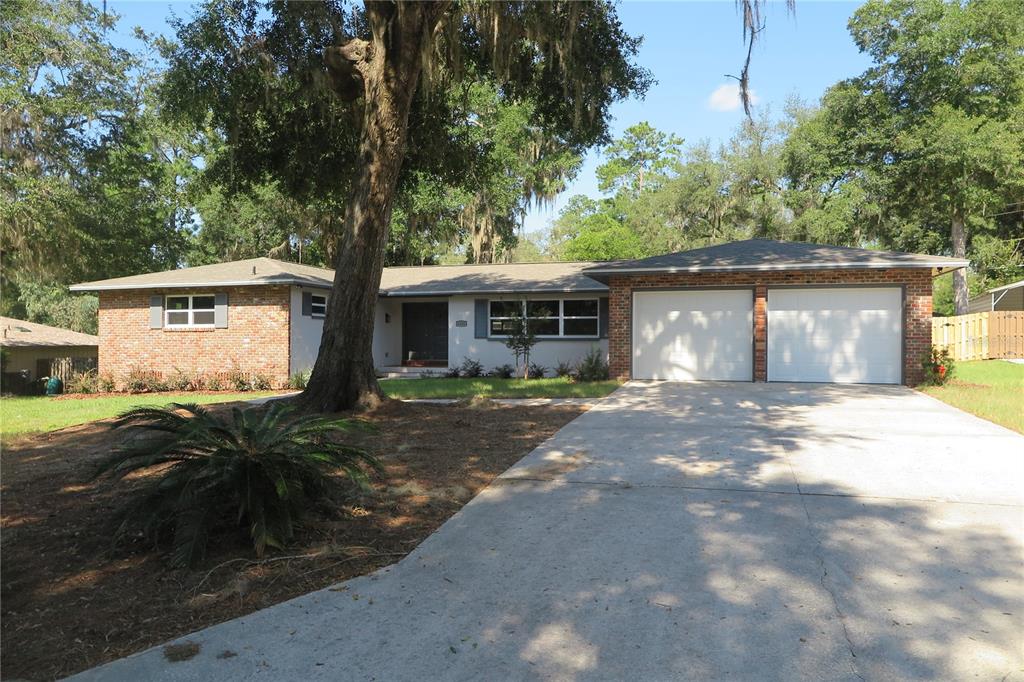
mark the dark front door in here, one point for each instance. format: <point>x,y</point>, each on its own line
<point>425,333</point>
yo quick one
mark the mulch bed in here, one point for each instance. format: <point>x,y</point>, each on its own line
<point>71,601</point>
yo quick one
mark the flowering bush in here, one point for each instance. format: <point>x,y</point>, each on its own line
<point>938,366</point>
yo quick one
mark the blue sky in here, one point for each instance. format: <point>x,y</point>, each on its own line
<point>689,47</point>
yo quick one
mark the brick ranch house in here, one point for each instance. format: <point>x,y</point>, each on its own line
<point>754,310</point>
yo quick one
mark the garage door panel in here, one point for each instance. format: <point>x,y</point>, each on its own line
<point>693,335</point>
<point>835,335</point>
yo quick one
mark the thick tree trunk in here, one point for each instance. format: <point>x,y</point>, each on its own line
<point>959,234</point>
<point>388,68</point>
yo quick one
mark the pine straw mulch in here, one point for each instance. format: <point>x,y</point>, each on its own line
<point>71,601</point>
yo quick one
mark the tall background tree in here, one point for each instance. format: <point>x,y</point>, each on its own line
<point>91,176</point>
<point>933,133</point>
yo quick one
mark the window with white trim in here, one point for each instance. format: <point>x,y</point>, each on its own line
<point>190,311</point>
<point>548,318</point>
<point>318,305</point>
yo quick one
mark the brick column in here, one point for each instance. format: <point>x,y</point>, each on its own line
<point>917,325</point>
<point>760,333</point>
<point>620,324</point>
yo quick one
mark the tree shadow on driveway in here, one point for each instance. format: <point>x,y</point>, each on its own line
<point>667,534</point>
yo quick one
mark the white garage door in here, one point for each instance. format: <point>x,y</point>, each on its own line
<point>850,336</point>
<point>688,335</point>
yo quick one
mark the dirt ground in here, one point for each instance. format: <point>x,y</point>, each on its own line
<point>72,601</point>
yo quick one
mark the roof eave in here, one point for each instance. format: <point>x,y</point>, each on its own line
<point>88,286</point>
<point>26,344</point>
<point>493,292</point>
<point>944,266</point>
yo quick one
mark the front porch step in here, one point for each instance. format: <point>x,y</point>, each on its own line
<point>398,372</point>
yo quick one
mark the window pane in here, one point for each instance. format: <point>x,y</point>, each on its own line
<point>202,302</point>
<point>202,317</point>
<point>318,309</point>
<point>506,308</point>
<point>542,309</point>
<point>547,327</point>
<point>501,327</point>
<point>318,300</point>
<point>177,317</point>
<point>580,308</point>
<point>581,327</point>
<point>177,302</point>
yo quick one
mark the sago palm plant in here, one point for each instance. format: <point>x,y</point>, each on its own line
<point>258,467</point>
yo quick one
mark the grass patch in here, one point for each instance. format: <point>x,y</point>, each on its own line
<point>487,387</point>
<point>23,415</point>
<point>990,389</point>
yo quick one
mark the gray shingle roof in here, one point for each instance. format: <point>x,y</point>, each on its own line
<point>20,334</point>
<point>249,272</point>
<point>766,254</point>
<point>427,280</point>
<point>500,278</point>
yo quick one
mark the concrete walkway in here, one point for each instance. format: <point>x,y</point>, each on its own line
<point>688,531</point>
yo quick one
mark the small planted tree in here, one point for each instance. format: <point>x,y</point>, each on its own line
<point>255,469</point>
<point>521,340</point>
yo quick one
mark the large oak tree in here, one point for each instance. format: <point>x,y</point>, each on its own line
<point>332,99</point>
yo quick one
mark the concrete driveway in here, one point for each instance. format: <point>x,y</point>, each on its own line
<point>688,531</point>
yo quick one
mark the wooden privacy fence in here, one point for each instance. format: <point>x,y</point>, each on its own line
<point>65,368</point>
<point>981,336</point>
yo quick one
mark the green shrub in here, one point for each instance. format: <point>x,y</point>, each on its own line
<point>537,371</point>
<point>564,369</point>
<point>258,469</point>
<point>238,380</point>
<point>184,381</point>
<point>452,373</point>
<point>143,381</point>
<point>214,382</point>
<point>938,366</point>
<point>503,372</point>
<point>259,382</point>
<point>471,369</point>
<point>83,382</point>
<point>592,367</point>
<point>105,383</point>
<point>298,380</point>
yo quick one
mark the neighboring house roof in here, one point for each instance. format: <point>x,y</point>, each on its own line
<point>1004,298</point>
<point>766,254</point>
<point>426,280</point>
<point>20,334</point>
<point>248,272</point>
<point>1005,287</point>
<point>482,279</point>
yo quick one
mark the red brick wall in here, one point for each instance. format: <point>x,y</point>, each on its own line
<point>917,308</point>
<point>256,339</point>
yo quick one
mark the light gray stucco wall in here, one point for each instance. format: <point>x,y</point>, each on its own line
<point>304,333</point>
<point>387,336</point>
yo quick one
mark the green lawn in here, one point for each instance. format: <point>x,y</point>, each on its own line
<point>20,416</point>
<point>991,389</point>
<point>496,388</point>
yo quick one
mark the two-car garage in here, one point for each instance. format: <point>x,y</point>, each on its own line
<point>838,334</point>
<point>764,310</point>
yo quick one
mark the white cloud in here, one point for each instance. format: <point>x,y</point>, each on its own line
<point>726,97</point>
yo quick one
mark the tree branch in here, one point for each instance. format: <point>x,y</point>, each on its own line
<point>345,64</point>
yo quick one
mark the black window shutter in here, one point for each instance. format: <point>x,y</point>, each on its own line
<point>307,304</point>
<point>480,318</point>
<point>603,317</point>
